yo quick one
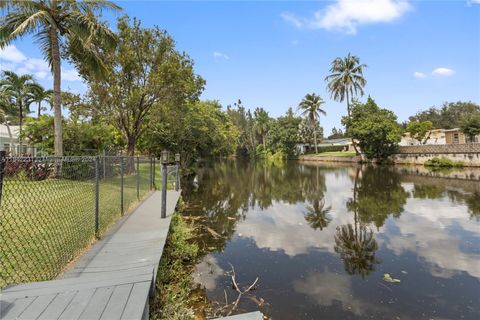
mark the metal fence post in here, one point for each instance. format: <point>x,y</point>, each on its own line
<point>153,175</point>
<point>97,191</point>
<point>164,184</point>
<point>177,171</point>
<point>3,157</point>
<point>138,178</point>
<point>122,170</point>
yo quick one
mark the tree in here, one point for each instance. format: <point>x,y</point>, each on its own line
<point>376,129</point>
<point>420,130</point>
<point>22,90</point>
<point>243,121</point>
<point>262,125</point>
<point>198,129</point>
<point>143,73</point>
<point>336,134</point>
<point>284,134</point>
<point>471,126</point>
<point>81,137</point>
<point>317,215</point>
<point>310,105</point>
<point>41,95</point>
<point>61,28</point>
<point>450,115</point>
<point>346,79</point>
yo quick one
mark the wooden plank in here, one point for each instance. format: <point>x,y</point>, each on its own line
<point>97,304</point>
<point>79,280</point>
<point>81,286</point>
<point>57,306</point>
<point>17,307</point>
<point>77,305</point>
<point>137,301</point>
<point>117,303</point>
<point>36,308</point>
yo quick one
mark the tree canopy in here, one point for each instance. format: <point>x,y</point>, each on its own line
<point>376,129</point>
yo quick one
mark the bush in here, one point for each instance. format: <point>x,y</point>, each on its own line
<point>443,163</point>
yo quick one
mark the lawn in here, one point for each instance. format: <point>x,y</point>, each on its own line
<point>45,224</point>
<point>335,154</point>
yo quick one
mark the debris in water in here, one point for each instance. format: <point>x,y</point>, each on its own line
<point>388,278</point>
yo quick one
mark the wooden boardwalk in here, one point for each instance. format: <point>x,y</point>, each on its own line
<point>113,280</point>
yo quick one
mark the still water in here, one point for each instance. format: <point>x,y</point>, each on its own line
<point>338,242</point>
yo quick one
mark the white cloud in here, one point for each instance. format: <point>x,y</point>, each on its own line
<point>347,15</point>
<point>13,59</point>
<point>220,55</point>
<point>419,75</point>
<point>443,72</point>
<point>12,54</point>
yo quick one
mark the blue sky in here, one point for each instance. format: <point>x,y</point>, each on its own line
<point>270,54</point>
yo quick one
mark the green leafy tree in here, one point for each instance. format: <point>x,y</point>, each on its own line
<point>420,130</point>
<point>311,109</point>
<point>197,130</point>
<point>21,89</point>
<point>336,134</point>
<point>284,134</point>
<point>376,129</point>
<point>471,126</point>
<point>450,115</point>
<point>262,125</point>
<point>346,79</point>
<point>244,122</point>
<point>81,137</point>
<point>61,28</point>
<point>143,73</point>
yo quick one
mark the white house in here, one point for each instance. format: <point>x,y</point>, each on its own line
<point>439,136</point>
<point>9,141</point>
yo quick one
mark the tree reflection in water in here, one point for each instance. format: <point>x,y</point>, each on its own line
<point>317,215</point>
<point>357,247</point>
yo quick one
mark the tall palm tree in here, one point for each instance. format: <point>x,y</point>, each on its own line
<point>311,106</point>
<point>262,123</point>
<point>41,95</point>
<point>21,89</point>
<point>61,28</point>
<point>346,79</point>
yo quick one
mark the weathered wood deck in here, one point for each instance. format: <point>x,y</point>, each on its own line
<point>113,280</point>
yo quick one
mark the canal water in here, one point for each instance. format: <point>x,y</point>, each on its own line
<point>337,241</point>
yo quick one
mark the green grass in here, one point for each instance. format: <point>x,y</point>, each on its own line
<point>174,281</point>
<point>335,154</point>
<point>46,224</point>
<point>443,163</point>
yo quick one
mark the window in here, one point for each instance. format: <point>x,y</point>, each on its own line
<point>456,138</point>
<point>6,146</point>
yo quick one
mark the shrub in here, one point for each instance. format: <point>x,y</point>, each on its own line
<point>443,163</point>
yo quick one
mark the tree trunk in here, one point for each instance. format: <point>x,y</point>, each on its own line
<point>39,107</point>
<point>349,115</point>
<point>315,139</point>
<point>57,93</point>
<point>130,163</point>
<point>20,107</point>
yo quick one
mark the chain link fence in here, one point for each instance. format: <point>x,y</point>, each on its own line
<point>52,208</point>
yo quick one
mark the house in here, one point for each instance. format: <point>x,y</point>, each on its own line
<point>9,141</point>
<point>438,137</point>
<point>303,148</point>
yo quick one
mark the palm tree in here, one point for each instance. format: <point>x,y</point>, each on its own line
<point>317,215</point>
<point>310,105</point>
<point>41,95</point>
<point>346,79</point>
<point>262,123</point>
<point>21,89</point>
<point>61,28</point>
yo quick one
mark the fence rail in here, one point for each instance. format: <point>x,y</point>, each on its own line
<point>52,208</point>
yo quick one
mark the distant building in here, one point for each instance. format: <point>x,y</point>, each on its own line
<point>10,142</point>
<point>439,137</point>
<point>303,148</point>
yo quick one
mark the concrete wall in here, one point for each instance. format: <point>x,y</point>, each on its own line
<point>468,153</point>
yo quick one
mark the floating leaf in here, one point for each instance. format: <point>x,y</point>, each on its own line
<point>388,278</point>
